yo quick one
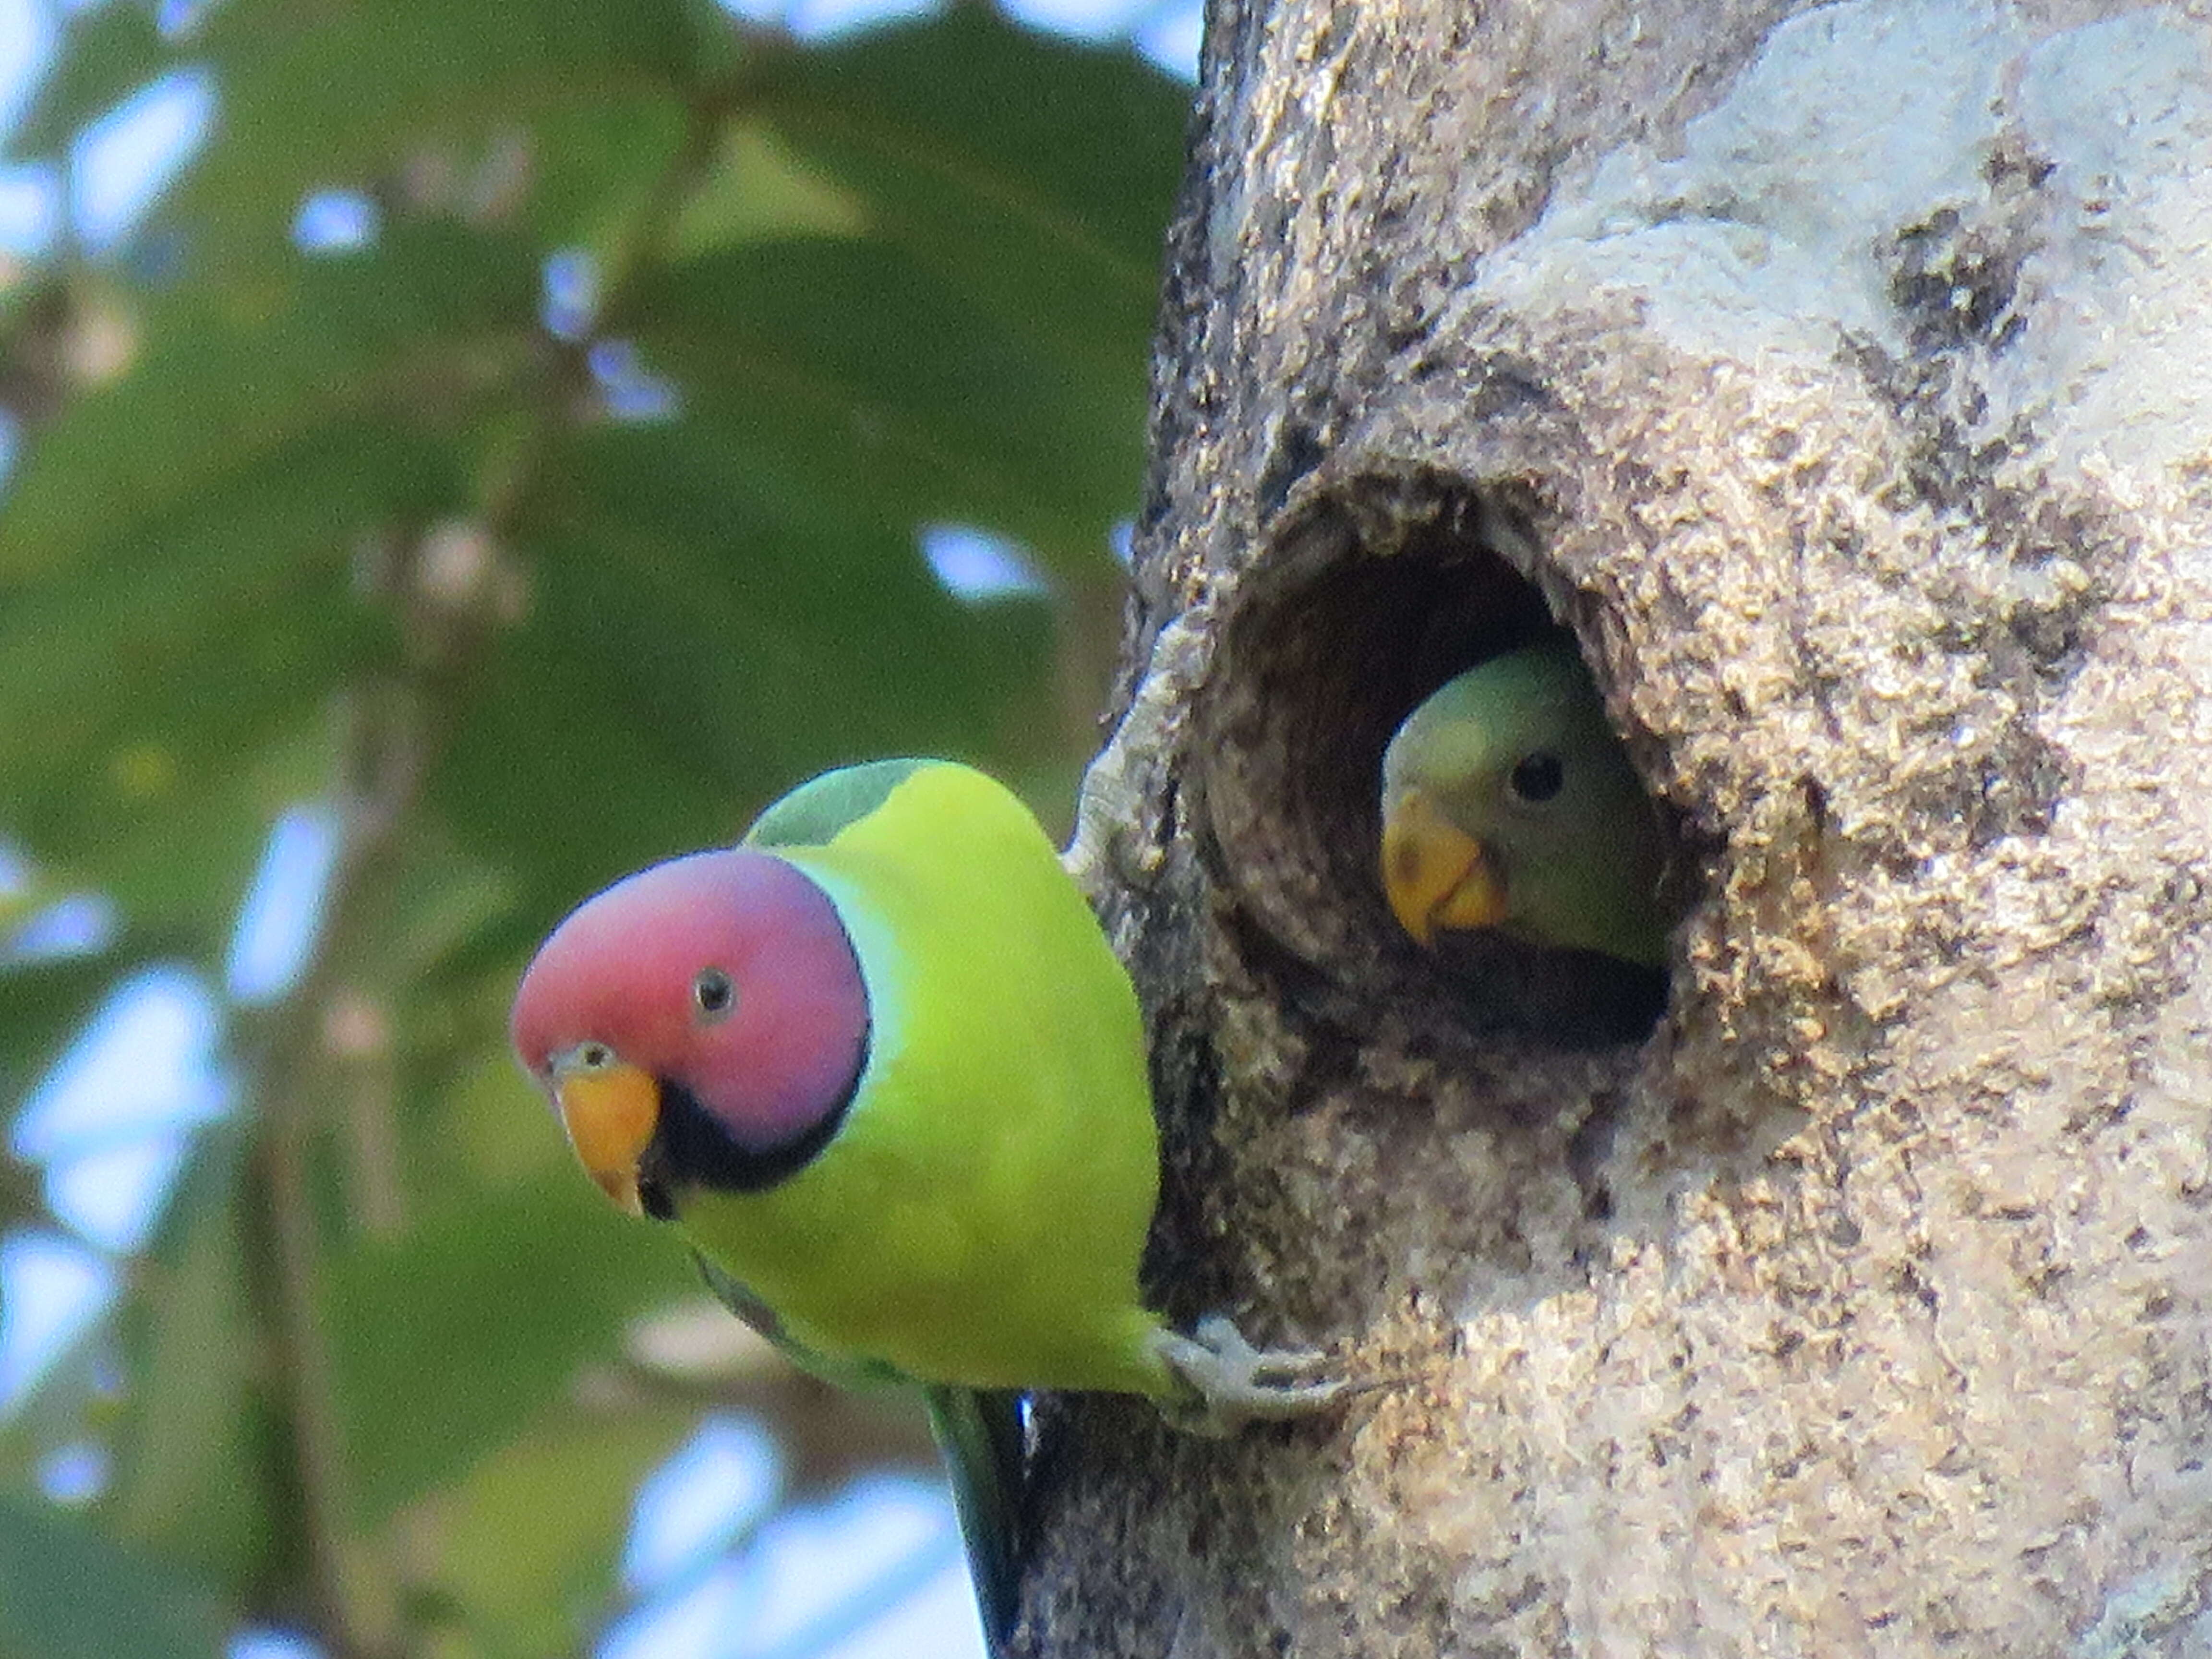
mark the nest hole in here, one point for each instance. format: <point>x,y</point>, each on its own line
<point>1367,603</point>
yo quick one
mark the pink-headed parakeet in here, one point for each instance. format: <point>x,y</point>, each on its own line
<point>880,1066</point>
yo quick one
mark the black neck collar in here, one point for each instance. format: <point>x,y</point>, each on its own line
<point>690,1149</point>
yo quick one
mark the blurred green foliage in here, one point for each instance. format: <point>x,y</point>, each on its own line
<point>359,527</point>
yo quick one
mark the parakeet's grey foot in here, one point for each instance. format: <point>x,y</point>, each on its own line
<point>1230,1383</point>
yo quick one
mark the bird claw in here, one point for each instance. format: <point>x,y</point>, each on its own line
<point>1228,1383</point>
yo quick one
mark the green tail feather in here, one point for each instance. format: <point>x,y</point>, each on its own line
<point>980,1432</point>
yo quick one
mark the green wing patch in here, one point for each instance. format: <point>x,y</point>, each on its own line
<point>813,814</point>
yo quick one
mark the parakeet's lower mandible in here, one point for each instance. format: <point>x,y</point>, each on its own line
<point>881,1067</point>
<point>1508,803</point>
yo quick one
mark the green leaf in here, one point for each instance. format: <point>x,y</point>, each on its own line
<point>451,1338</point>
<point>849,371</point>
<point>530,1542</point>
<point>955,324</point>
<point>483,1142</point>
<point>42,1004</point>
<point>106,53</point>
<point>756,189</point>
<point>595,165</point>
<point>72,1594</point>
<point>180,563</point>
<point>414,335</point>
<point>178,863</point>
<point>197,1451</point>
<point>72,1399</point>
<point>1033,176</point>
<point>415,93</point>
<point>172,699</point>
<point>441,903</point>
<point>964,123</point>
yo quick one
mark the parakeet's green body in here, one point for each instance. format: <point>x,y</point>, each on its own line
<point>881,1068</point>
<point>1001,1144</point>
<point>1508,802</point>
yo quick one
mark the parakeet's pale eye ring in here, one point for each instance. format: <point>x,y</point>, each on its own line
<point>1537,777</point>
<point>714,995</point>
<point>594,1056</point>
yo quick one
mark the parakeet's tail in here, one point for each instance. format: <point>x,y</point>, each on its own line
<point>980,1432</point>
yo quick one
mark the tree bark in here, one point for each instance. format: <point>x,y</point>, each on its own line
<point>1842,377</point>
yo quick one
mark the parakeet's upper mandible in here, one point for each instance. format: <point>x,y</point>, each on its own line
<point>1508,802</point>
<point>880,1066</point>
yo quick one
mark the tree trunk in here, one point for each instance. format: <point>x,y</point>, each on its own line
<point>1843,377</point>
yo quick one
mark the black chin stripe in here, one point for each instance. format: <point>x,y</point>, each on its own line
<point>689,1149</point>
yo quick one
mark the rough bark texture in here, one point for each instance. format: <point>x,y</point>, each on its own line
<point>1842,377</point>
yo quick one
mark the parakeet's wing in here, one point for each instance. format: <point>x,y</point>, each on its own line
<point>740,1299</point>
<point>812,814</point>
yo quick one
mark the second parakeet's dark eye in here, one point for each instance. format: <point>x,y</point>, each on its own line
<point>1537,777</point>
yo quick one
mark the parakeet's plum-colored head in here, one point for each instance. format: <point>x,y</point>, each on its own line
<point>701,1023</point>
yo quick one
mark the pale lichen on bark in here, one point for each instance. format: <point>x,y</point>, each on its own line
<point>1843,379</point>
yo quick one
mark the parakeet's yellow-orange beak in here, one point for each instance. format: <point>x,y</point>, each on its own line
<point>1437,875</point>
<point>611,1109</point>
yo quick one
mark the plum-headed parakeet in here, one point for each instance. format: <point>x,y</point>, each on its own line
<point>1509,803</point>
<point>881,1067</point>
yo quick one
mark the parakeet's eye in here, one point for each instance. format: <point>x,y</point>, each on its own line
<point>714,995</point>
<point>595,1056</point>
<point>1537,778</point>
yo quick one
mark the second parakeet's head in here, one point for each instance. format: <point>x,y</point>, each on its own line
<point>1509,803</point>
